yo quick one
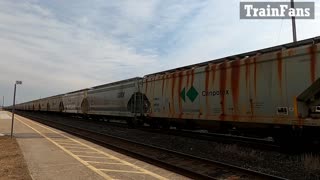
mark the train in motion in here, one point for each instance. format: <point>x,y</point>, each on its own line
<point>273,92</point>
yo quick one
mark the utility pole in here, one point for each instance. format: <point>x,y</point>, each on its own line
<point>294,32</point>
<point>2,101</point>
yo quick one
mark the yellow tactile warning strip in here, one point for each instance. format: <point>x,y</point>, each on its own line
<point>73,147</point>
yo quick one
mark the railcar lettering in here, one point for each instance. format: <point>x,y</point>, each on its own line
<point>215,93</point>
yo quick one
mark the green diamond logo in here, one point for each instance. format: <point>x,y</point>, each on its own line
<point>192,94</point>
<point>183,94</point>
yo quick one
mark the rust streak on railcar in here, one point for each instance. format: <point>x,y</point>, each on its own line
<point>295,107</point>
<point>207,72</point>
<point>178,92</point>
<point>162,85</point>
<point>172,92</point>
<point>247,63</point>
<point>313,57</point>
<point>213,70</point>
<point>192,77</point>
<point>213,77</point>
<point>235,76</point>
<point>279,61</point>
<point>223,79</point>
<point>188,75</point>
<point>167,92</point>
<point>255,76</point>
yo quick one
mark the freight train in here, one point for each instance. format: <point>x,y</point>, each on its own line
<point>270,92</point>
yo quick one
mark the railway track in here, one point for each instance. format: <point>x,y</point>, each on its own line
<point>191,166</point>
<point>256,143</point>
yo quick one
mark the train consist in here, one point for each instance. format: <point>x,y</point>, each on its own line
<point>273,92</point>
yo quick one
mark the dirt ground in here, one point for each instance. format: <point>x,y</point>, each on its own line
<point>12,163</point>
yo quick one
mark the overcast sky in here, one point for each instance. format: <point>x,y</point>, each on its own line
<point>56,46</point>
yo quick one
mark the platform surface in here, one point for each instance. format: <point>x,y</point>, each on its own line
<point>53,154</point>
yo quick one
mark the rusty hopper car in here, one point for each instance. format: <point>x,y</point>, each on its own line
<point>276,88</point>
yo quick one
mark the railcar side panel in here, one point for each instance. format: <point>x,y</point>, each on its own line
<point>43,104</point>
<point>279,87</point>
<point>55,104</point>
<point>72,101</point>
<point>115,99</point>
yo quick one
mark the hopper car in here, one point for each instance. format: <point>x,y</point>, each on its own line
<point>270,92</point>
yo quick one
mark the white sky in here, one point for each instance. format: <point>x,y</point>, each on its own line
<point>56,46</point>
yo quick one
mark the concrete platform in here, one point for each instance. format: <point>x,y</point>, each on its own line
<point>53,154</point>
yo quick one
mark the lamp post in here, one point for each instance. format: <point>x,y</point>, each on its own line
<point>14,102</point>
